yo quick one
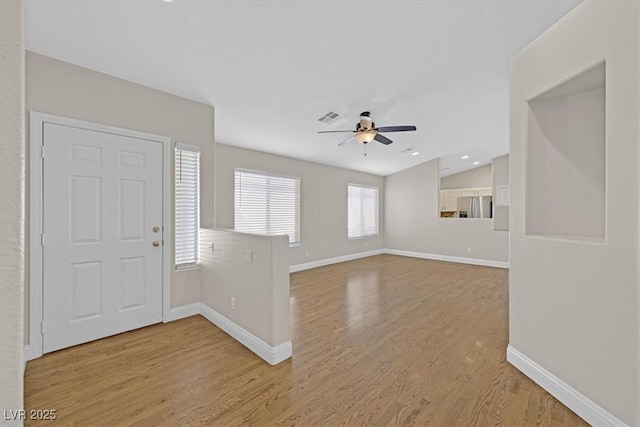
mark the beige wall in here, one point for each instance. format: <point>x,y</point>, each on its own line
<point>12,209</point>
<point>474,178</point>
<point>323,201</point>
<point>413,223</point>
<point>63,89</point>
<point>500,171</point>
<point>575,306</point>
<point>566,166</point>
<point>260,286</point>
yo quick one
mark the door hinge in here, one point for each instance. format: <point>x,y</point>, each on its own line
<point>41,239</point>
<point>42,151</point>
<point>42,328</point>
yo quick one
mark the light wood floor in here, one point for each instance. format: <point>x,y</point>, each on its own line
<point>384,340</point>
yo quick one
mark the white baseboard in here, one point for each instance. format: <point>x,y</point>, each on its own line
<point>272,355</point>
<point>447,258</point>
<point>335,260</point>
<point>423,255</point>
<point>182,312</point>
<point>573,399</point>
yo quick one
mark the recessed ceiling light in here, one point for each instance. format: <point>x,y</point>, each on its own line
<point>415,153</point>
<point>466,156</point>
<point>167,1</point>
<point>476,163</point>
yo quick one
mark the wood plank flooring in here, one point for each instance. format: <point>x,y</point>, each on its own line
<point>384,340</point>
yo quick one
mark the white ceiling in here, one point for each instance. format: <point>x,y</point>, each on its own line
<point>272,68</point>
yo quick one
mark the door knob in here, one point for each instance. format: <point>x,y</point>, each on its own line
<point>155,229</point>
<point>156,243</point>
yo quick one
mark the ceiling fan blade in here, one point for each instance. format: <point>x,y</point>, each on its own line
<point>346,141</point>
<point>383,139</point>
<point>335,131</point>
<point>396,128</point>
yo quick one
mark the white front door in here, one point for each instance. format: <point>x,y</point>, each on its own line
<point>102,235</point>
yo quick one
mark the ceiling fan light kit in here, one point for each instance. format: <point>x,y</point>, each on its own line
<point>365,136</point>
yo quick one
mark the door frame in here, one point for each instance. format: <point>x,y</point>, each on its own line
<point>34,347</point>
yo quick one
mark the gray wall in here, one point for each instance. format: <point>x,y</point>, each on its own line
<point>574,306</point>
<point>67,90</point>
<point>323,201</point>
<point>474,178</point>
<point>413,223</point>
<point>12,209</point>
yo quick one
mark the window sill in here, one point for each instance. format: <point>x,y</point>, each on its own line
<point>364,237</point>
<point>187,267</point>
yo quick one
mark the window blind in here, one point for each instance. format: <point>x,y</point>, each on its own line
<point>266,203</point>
<point>363,211</point>
<point>187,204</point>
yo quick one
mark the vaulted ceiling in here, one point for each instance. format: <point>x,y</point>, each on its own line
<point>272,68</point>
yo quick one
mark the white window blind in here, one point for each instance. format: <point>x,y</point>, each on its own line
<point>187,205</point>
<point>266,203</point>
<point>363,211</point>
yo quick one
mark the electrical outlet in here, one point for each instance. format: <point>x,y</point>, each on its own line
<point>468,250</point>
<point>211,247</point>
<point>247,255</point>
<point>233,303</point>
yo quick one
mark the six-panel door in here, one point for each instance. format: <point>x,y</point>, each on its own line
<point>102,274</point>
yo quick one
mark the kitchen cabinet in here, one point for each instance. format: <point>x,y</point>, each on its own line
<point>449,198</point>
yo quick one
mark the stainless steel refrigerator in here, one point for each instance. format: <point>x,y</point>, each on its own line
<point>475,207</point>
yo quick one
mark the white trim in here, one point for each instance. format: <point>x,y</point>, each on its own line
<point>167,235</point>
<point>448,258</point>
<point>30,353</point>
<point>272,355</point>
<point>187,267</point>
<point>328,261</point>
<point>181,312</point>
<point>335,260</point>
<point>187,147</point>
<point>261,172</point>
<point>36,124</point>
<point>573,399</point>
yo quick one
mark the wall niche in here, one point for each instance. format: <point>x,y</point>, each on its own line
<point>566,160</point>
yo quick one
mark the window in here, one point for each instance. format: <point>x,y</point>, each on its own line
<point>266,203</point>
<point>187,205</point>
<point>363,211</point>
